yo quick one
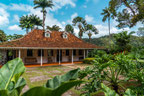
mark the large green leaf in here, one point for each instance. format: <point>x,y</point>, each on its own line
<point>42,91</point>
<point>58,80</point>
<point>56,86</point>
<point>107,91</point>
<point>10,74</point>
<point>129,92</point>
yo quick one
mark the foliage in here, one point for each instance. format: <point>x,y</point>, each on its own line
<point>107,15</point>
<point>90,29</point>
<point>43,4</point>
<point>29,21</point>
<point>108,92</point>
<point>11,82</point>
<point>81,23</point>
<point>54,28</point>
<point>13,37</point>
<point>56,86</point>
<point>96,52</point>
<point>140,31</point>
<point>2,36</point>
<point>108,68</point>
<point>128,12</point>
<point>69,28</point>
<point>88,60</point>
<point>122,42</point>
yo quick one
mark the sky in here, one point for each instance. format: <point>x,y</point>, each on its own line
<point>61,14</point>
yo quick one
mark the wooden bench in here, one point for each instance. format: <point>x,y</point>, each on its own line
<point>30,60</point>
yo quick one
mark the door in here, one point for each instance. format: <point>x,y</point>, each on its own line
<point>59,54</point>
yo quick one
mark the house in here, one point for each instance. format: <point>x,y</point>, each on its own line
<point>39,47</point>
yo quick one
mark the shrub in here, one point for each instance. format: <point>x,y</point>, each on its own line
<point>88,60</point>
<point>96,52</point>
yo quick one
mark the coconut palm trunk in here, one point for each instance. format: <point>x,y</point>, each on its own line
<point>27,30</point>
<point>109,26</point>
<point>43,20</point>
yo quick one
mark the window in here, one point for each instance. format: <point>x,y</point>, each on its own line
<point>47,34</point>
<point>67,52</point>
<point>80,52</point>
<point>29,52</point>
<point>50,52</point>
<point>39,52</point>
<point>65,36</point>
<point>74,52</point>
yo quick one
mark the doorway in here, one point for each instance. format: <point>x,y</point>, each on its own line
<point>11,54</point>
<point>59,55</point>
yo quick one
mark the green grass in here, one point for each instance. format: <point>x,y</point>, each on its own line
<point>48,72</point>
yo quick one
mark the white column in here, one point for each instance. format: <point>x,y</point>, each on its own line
<point>41,58</point>
<point>72,56</point>
<point>19,53</point>
<point>87,52</point>
<point>59,57</point>
<point>84,54</point>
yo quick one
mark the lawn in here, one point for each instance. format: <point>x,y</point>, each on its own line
<point>38,76</point>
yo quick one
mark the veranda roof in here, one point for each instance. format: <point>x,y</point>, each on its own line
<point>36,40</point>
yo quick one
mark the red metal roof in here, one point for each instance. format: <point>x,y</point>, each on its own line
<point>36,39</point>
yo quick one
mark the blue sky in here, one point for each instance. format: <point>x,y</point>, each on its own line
<point>62,13</point>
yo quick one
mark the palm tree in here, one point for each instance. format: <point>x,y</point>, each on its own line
<point>43,4</point>
<point>69,28</point>
<point>81,23</point>
<point>35,20</point>
<point>25,23</point>
<point>54,28</point>
<point>107,15</point>
<point>91,29</point>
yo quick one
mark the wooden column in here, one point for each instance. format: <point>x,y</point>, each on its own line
<point>72,56</point>
<point>19,53</point>
<point>41,58</point>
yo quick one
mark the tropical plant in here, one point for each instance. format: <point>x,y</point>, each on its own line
<point>11,82</point>
<point>81,23</point>
<point>25,22</point>
<point>90,29</point>
<point>122,41</point>
<point>129,12</point>
<point>36,21</point>
<point>107,68</point>
<point>54,28</point>
<point>107,15</point>
<point>108,92</point>
<point>69,28</point>
<point>56,86</point>
<point>43,4</point>
<point>2,36</point>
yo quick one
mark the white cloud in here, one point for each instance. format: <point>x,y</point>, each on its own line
<point>14,27</point>
<point>16,18</point>
<point>103,30</point>
<point>58,4</point>
<point>4,17</point>
<point>72,17</point>
<point>89,19</point>
<point>20,7</point>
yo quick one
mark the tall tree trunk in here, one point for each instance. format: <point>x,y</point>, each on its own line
<point>109,26</point>
<point>26,30</point>
<point>43,20</point>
